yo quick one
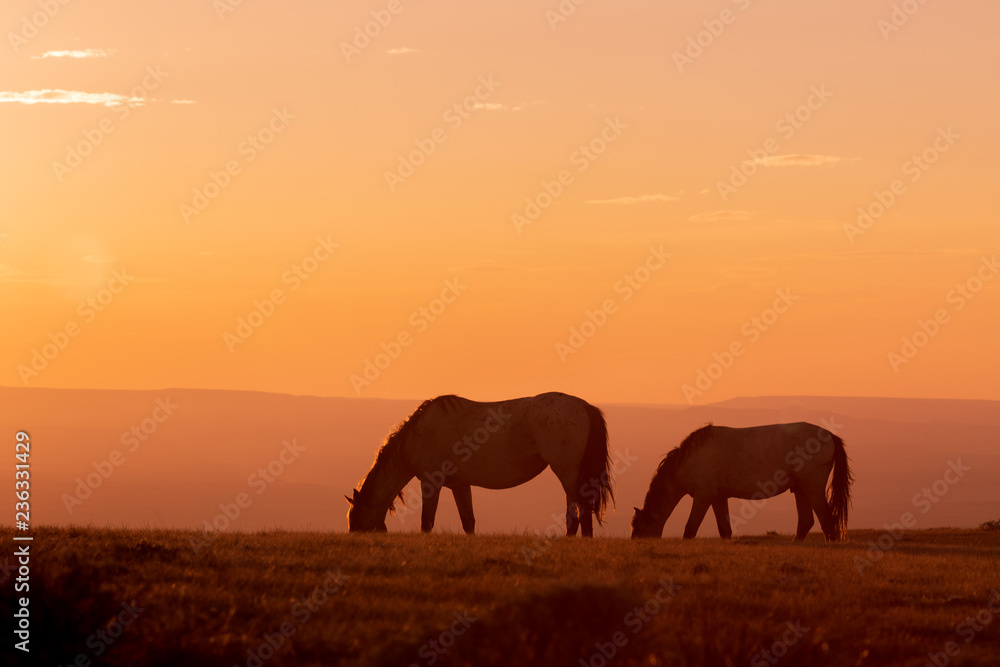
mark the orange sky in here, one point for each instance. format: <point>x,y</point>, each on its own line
<point>118,118</point>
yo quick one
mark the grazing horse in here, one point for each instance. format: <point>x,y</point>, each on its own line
<point>716,463</point>
<point>456,443</point>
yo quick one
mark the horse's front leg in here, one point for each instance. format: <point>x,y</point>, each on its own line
<point>721,509</point>
<point>463,498</point>
<point>698,512</point>
<point>431,493</point>
<point>586,519</point>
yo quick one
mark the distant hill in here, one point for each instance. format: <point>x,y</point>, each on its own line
<point>176,472</point>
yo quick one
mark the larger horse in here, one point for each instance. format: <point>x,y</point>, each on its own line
<point>716,463</point>
<point>456,443</point>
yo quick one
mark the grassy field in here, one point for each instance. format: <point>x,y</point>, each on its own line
<point>145,597</point>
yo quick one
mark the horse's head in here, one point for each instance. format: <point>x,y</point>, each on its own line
<point>644,525</point>
<point>363,518</point>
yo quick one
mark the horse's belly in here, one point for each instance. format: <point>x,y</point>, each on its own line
<point>756,484</point>
<point>766,490</point>
<point>499,474</point>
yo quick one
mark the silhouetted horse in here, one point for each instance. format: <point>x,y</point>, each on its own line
<point>453,442</point>
<point>716,463</point>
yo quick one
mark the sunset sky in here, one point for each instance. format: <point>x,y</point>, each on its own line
<point>600,203</point>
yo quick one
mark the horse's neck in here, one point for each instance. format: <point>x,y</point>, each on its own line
<point>662,498</point>
<point>386,480</point>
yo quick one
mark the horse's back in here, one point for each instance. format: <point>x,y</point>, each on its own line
<point>740,460</point>
<point>532,415</point>
<point>559,424</point>
<point>496,444</point>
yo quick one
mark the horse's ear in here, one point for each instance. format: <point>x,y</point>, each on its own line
<point>637,510</point>
<point>348,499</point>
<point>355,494</point>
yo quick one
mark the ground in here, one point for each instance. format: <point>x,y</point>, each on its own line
<point>155,597</point>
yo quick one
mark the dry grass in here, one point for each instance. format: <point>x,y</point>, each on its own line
<point>398,593</point>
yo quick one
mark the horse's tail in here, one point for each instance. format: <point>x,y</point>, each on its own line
<point>840,488</point>
<point>594,481</point>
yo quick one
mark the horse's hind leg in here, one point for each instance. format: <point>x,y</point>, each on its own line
<point>575,505</point>
<point>805,511</point>
<point>721,509</point>
<point>698,511</point>
<point>431,493</point>
<point>572,517</point>
<point>817,498</point>
<point>463,498</point>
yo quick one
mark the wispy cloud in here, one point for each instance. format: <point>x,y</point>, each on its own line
<point>402,51</point>
<point>60,96</point>
<point>496,106</point>
<point>802,160</point>
<point>9,273</point>
<point>897,254</point>
<point>752,268</point>
<point>85,53</point>
<point>642,199</point>
<point>490,265</point>
<point>722,216</point>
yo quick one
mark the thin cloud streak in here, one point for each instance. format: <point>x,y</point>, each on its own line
<point>642,199</point>
<point>496,106</point>
<point>802,160</point>
<point>85,53</point>
<point>490,265</point>
<point>721,216</point>
<point>60,96</point>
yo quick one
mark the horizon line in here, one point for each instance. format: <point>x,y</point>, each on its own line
<point>603,402</point>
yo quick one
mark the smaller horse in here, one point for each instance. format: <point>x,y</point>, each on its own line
<point>716,463</point>
<point>456,443</point>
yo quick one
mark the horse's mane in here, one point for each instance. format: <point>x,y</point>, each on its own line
<point>673,460</point>
<point>392,447</point>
